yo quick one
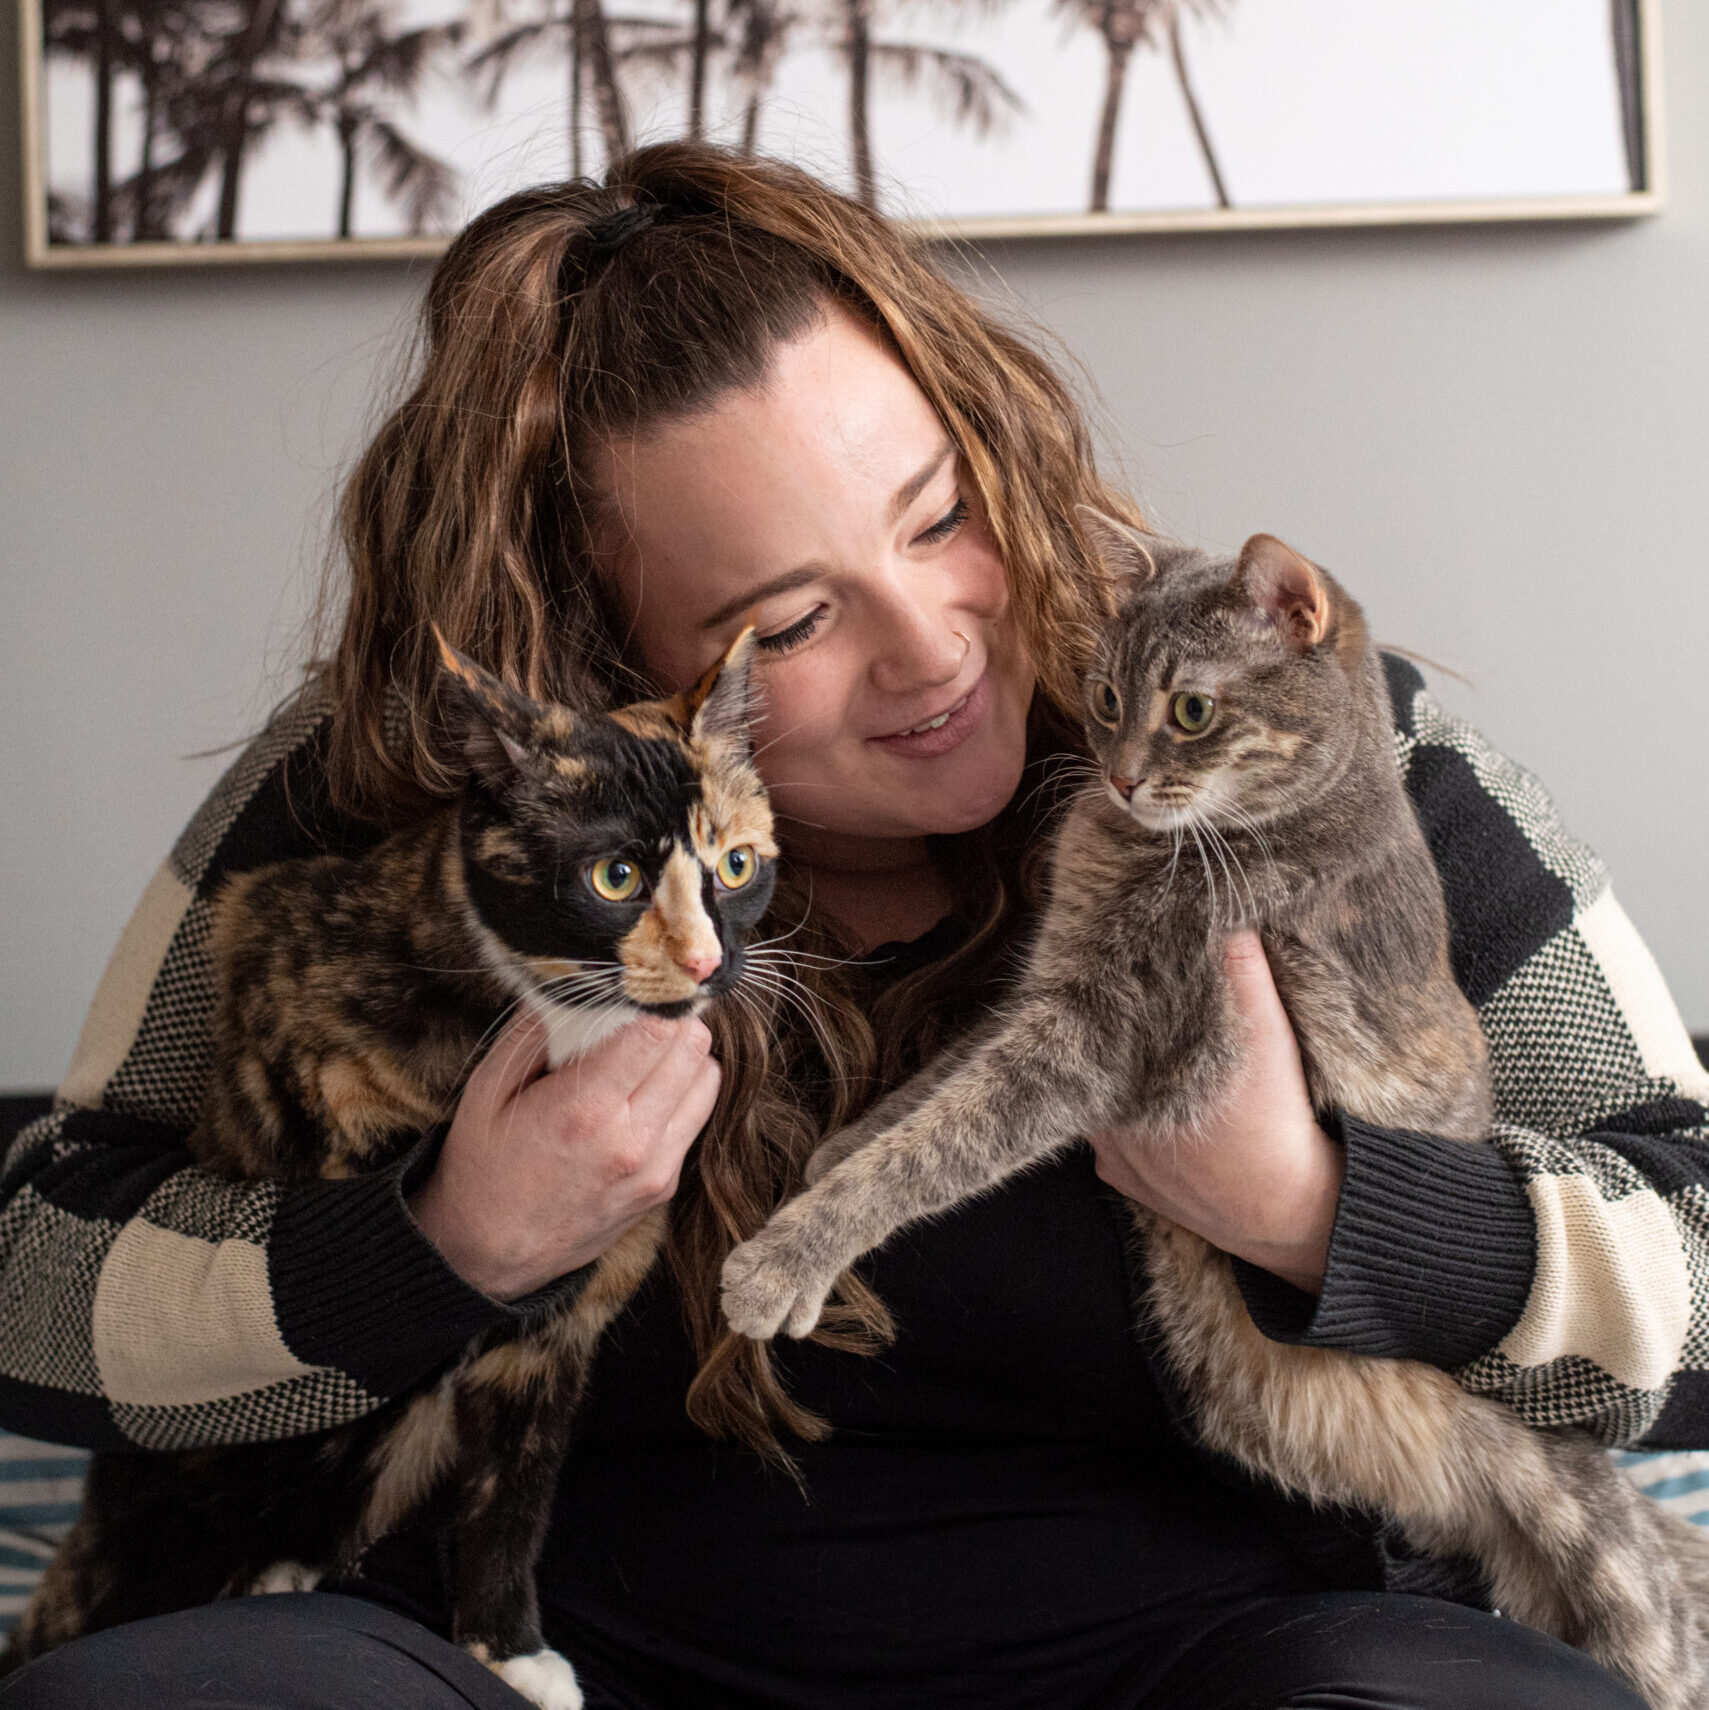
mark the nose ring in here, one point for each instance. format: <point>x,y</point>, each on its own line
<point>966,645</point>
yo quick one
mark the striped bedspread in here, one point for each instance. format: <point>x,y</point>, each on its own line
<point>40,1484</point>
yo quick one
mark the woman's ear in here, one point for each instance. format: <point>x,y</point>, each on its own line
<point>1122,549</point>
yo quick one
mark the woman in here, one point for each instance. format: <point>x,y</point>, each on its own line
<point>710,392</point>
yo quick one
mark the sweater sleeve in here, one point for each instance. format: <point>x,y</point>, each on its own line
<point>1563,1267</point>
<point>147,1303</point>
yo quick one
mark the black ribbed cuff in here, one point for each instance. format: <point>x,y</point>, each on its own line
<point>1432,1255</point>
<point>358,1286</point>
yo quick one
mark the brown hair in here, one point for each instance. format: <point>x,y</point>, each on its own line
<point>471,510</point>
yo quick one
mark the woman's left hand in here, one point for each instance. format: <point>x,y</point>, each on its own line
<point>1259,1178</point>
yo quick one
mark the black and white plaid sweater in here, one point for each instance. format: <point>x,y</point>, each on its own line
<point>1563,1268</point>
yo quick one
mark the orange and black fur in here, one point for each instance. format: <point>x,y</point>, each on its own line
<point>1246,775</point>
<point>595,867</point>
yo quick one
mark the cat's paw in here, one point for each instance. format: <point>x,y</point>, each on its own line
<point>545,1679</point>
<point>769,1287</point>
<point>285,1576</point>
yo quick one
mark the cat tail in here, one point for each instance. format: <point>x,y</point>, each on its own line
<point>1566,1542</point>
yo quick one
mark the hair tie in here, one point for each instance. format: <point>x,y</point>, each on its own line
<point>611,231</point>
<point>600,238</point>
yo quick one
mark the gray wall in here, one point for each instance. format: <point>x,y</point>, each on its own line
<point>1497,435</point>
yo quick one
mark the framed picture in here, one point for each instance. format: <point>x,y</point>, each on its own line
<point>214,130</point>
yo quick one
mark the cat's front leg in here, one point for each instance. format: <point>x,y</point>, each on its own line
<point>514,1405</point>
<point>1029,1090</point>
<point>544,1678</point>
<point>781,1278</point>
<point>890,1109</point>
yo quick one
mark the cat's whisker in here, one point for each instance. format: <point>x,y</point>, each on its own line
<point>1058,776</point>
<point>491,1032</point>
<point>755,994</point>
<point>584,997</point>
<point>1174,860</point>
<point>749,1005</point>
<point>1255,831</point>
<point>760,1004</point>
<point>769,973</point>
<point>1244,823</point>
<point>1204,861</point>
<point>1252,903</point>
<point>558,990</point>
<point>587,971</point>
<point>800,1000</point>
<point>773,741</point>
<point>581,988</point>
<point>811,958</point>
<point>586,977</point>
<point>780,937</point>
<point>1229,859</point>
<point>1084,793</point>
<point>1216,848</point>
<point>770,945</point>
<point>479,968</point>
<point>512,1044</point>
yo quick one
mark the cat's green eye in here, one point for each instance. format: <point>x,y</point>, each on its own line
<point>614,879</point>
<point>1192,712</point>
<point>737,866</point>
<point>1106,704</point>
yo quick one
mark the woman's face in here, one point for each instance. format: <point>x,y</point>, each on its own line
<point>828,508</point>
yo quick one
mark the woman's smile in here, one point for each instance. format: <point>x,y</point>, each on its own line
<point>941,733</point>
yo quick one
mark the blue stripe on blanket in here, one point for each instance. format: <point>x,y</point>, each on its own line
<point>40,1485</point>
<point>1678,1481</point>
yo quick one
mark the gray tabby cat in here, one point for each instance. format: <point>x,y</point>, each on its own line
<point>1241,704</point>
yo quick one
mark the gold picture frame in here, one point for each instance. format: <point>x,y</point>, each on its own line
<point>1644,146</point>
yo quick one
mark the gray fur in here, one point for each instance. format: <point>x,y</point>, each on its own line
<point>1288,814</point>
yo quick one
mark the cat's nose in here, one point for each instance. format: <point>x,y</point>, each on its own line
<point>1125,785</point>
<point>701,968</point>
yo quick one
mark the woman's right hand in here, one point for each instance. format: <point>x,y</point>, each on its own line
<point>542,1171</point>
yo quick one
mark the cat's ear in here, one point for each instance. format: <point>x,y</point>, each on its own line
<point>721,706</point>
<point>1122,549</point>
<point>493,721</point>
<point>1286,589</point>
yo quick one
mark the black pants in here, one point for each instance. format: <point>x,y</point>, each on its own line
<point>316,1651</point>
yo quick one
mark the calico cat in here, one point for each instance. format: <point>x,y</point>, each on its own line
<point>595,868</point>
<point>1235,710</point>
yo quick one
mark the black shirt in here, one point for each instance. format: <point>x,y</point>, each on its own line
<point>1002,1517</point>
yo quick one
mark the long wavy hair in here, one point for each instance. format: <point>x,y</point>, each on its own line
<point>473,511</point>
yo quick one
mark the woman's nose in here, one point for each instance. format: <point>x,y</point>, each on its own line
<point>923,649</point>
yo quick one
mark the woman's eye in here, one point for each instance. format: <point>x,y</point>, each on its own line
<point>796,633</point>
<point>1107,704</point>
<point>945,526</point>
<point>614,879</point>
<point>737,866</point>
<point>1192,712</point>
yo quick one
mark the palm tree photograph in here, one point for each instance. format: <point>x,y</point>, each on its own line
<point>202,129</point>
